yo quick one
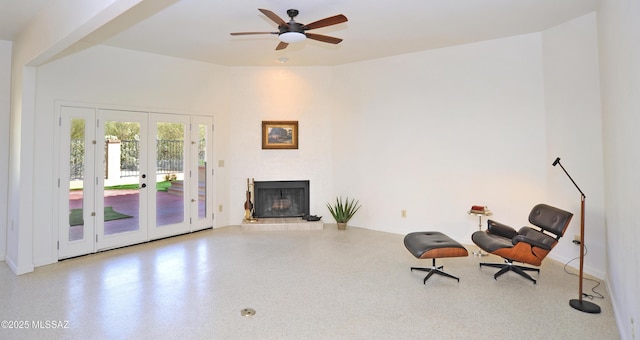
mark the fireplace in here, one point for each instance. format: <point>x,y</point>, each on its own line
<point>281,198</point>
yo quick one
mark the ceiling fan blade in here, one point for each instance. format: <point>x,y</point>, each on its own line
<point>282,45</point>
<point>248,33</point>
<point>278,20</point>
<point>336,19</point>
<point>323,38</point>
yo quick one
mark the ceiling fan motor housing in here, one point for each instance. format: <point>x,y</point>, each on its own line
<point>292,26</point>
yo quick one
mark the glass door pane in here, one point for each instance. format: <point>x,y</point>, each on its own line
<point>201,158</point>
<point>202,170</point>
<point>167,211</point>
<point>76,222</point>
<point>76,179</point>
<point>121,193</point>
<point>170,191</point>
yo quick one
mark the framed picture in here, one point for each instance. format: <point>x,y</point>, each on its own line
<point>279,134</point>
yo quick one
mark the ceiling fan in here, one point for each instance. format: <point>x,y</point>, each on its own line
<point>292,31</point>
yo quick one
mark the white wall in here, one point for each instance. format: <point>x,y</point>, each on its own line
<point>438,131</point>
<point>238,98</point>
<point>57,27</point>
<point>116,77</point>
<point>574,133</point>
<point>619,34</point>
<point>280,93</point>
<point>5,106</point>
<point>431,132</point>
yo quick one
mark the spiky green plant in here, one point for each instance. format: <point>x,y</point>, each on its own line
<point>341,211</point>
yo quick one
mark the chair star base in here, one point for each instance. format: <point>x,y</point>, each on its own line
<point>509,266</point>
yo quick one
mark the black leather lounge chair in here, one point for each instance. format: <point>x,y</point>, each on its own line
<point>528,245</point>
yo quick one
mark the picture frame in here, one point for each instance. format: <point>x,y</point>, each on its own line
<point>279,134</point>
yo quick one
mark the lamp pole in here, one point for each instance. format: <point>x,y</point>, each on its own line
<point>579,304</point>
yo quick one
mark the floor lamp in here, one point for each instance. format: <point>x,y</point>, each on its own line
<point>579,304</point>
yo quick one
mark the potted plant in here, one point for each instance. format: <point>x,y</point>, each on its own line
<point>342,212</point>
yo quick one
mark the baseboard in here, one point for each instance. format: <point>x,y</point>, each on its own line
<point>44,262</point>
<point>575,264</point>
<point>16,268</point>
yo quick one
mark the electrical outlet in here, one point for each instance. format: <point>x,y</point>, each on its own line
<point>404,213</point>
<point>220,208</point>
<point>576,238</point>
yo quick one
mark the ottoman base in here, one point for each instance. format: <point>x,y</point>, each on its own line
<point>433,244</point>
<point>433,270</point>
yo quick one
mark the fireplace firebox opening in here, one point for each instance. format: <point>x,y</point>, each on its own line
<point>281,198</point>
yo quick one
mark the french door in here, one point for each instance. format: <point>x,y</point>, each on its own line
<point>127,177</point>
<point>122,194</point>
<point>168,213</point>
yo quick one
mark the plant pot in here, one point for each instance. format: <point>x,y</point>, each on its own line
<point>342,226</point>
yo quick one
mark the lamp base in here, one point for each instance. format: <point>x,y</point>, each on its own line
<point>584,306</point>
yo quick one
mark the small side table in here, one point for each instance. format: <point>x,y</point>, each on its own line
<point>480,213</point>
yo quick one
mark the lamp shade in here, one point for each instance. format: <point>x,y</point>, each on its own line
<point>292,37</point>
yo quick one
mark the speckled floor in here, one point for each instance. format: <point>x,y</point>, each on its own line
<point>315,284</point>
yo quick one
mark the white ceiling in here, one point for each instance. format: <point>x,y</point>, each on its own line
<point>199,29</point>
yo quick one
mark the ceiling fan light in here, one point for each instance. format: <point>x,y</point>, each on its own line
<point>291,37</point>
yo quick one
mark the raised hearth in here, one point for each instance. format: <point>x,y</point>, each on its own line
<point>286,223</point>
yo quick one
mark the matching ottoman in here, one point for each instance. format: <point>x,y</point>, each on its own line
<point>433,245</point>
